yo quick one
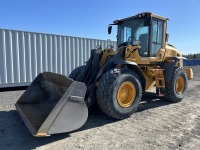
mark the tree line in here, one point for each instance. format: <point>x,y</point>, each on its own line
<point>192,56</point>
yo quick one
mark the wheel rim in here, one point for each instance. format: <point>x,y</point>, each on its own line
<point>180,84</point>
<point>126,94</point>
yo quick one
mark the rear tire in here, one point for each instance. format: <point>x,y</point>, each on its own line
<point>119,93</point>
<point>176,88</point>
<point>74,74</point>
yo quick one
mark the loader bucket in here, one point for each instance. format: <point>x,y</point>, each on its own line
<point>53,104</point>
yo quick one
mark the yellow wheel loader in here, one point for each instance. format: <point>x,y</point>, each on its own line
<point>115,80</point>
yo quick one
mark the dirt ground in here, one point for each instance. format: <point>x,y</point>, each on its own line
<point>156,125</point>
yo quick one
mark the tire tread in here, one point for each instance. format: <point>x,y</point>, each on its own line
<point>103,91</point>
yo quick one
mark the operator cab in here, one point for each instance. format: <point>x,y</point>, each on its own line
<point>145,29</point>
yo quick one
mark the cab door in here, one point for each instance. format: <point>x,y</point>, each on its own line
<point>157,37</point>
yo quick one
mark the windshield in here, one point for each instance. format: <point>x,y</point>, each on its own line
<point>134,32</point>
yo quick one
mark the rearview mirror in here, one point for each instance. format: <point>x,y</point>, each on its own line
<point>109,29</point>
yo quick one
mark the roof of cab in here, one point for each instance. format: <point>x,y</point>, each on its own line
<point>143,14</point>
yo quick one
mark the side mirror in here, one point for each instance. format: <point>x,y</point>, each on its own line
<point>109,29</point>
<point>167,37</point>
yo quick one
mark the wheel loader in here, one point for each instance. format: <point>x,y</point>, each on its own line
<point>114,79</point>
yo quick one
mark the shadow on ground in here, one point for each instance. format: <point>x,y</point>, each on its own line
<point>150,101</point>
<point>18,88</point>
<point>15,135</point>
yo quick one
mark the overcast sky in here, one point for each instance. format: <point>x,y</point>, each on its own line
<point>90,18</point>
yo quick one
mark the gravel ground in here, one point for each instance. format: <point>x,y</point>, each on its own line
<point>157,125</point>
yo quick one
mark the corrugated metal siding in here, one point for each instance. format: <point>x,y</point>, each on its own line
<point>191,62</point>
<point>23,55</point>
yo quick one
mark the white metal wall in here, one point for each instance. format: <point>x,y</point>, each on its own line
<point>23,55</point>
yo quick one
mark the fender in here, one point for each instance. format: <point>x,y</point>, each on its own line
<point>118,60</point>
<point>169,65</point>
<point>136,68</point>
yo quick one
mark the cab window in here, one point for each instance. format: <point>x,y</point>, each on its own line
<point>157,36</point>
<point>142,35</point>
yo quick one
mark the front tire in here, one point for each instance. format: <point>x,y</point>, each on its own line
<point>119,93</point>
<point>176,88</point>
